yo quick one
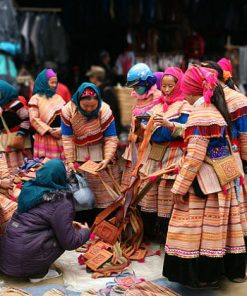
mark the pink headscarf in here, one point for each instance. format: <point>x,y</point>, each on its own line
<point>199,81</point>
<point>176,94</point>
<point>225,65</point>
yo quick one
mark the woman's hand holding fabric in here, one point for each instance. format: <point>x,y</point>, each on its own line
<point>56,132</point>
<point>71,167</point>
<point>6,183</point>
<point>161,120</point>
<point>103,164</point>
<point>79,225</point>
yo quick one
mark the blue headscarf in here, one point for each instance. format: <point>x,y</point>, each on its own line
<point>50,177</point>
<point>7,93</point>
<point>41,85</point>
<point>77,97</point>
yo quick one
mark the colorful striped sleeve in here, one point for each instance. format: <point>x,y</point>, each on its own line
<point>196,152</point>
<point>67,136</point>
<point>40,126</point>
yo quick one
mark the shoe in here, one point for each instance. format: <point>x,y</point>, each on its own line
<point>204,286</point>
<point>239,280</point>
<point>52,273</point>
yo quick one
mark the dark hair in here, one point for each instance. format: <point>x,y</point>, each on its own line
<point>218,99</point>
<point>213,65</point>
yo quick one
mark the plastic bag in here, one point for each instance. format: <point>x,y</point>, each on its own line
<point>82,193</point>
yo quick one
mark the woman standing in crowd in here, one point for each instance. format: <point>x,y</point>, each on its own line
<point>89,133</point>
<point>45,108</point>
<point>205,240</point>
<point>237,106</point>
<point>167,149</point>
<point>14,117</point>
<point>42,228</point>
<point>143,81</point>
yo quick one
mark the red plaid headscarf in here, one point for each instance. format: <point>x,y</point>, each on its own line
<point>199,81</point>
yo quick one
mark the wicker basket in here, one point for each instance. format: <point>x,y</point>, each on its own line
<point>126,103</point>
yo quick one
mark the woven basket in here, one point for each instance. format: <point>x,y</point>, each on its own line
<point>126,103</point>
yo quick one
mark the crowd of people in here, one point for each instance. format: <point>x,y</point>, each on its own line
<point>199,212</point>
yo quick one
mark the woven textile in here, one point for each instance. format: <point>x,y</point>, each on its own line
<point>47,146</point>
<point>102,197</point>
<point>236,103</point>
<point>7,208</point>
<point>149,289</point>
<point>206,227</point>
<point>206,121</point>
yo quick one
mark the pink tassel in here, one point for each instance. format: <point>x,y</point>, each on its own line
<point>142,279</point>
<point>224,190</point>
<point>19,185</point>
<point>157,253</point>
<point>141,260</point>
<point>92,236</point>
<point>241,180</point>
<point>152,178</point>
<point>81,260</point>
<point>76,165</point>
<point>87,158</point>
<point>176,171</point>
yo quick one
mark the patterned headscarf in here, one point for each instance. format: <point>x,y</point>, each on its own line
<point>7,93</point>
<point>51,177</point>
<point>41,85</point>
<point>176,94</point>
<point>87,89</point>
<point>199,81</point>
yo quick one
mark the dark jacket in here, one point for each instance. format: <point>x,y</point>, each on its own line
<point>109,96</point>
<point>35,239</point>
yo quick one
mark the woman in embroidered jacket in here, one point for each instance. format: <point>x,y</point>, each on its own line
<point>143,81</point>
<point>205,240</point>
<point>89,132</point>
<point>237,106</point>
<point>45,108</point>
<point>16,117</point>
<point>167,146</point>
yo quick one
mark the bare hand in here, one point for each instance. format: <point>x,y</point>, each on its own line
<point>71,167</point>
<point>56,132</point>
<point>178,199</point>
<point>103,164</point>
<point>1,111</point>
<point>79,225</point>
<point>6,183</point>
<point>160,120</point>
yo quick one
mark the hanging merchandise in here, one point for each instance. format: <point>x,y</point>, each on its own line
<point>9,33</point>
<point>42,31</point>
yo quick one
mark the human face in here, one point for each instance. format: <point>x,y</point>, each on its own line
<point>52,82</point>
<point>89,104</point>
<point>168,84</point>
